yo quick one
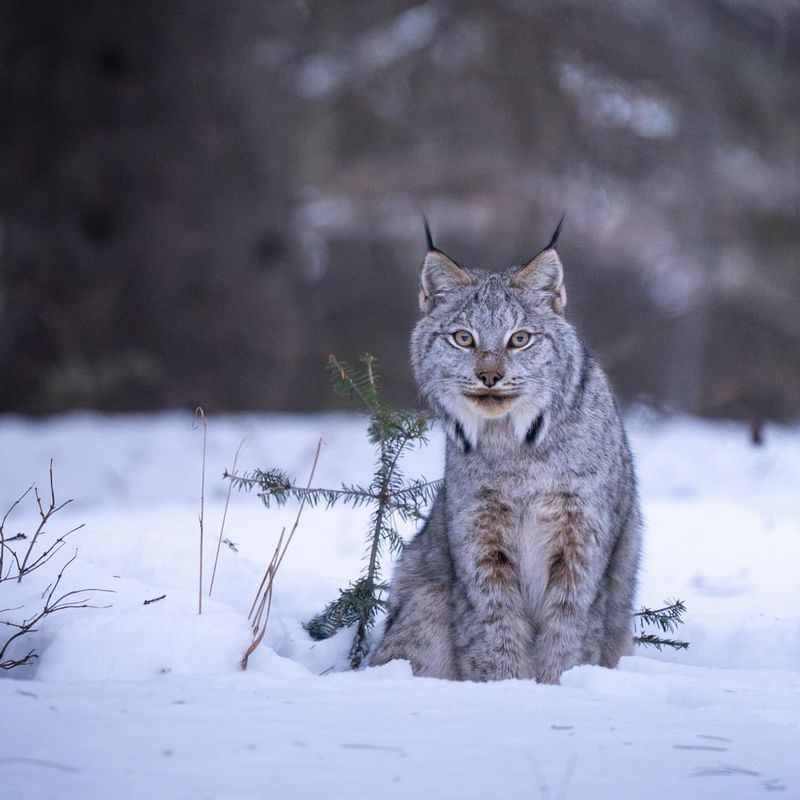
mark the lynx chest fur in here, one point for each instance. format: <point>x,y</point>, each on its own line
<point>527,563</point>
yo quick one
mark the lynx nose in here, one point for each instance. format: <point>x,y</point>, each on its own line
<point>489,377</point>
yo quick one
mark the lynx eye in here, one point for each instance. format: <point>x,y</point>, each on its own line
<point>464,338</point>
<point>519,339</point>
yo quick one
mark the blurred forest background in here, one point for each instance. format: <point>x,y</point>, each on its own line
<point>200,200</point>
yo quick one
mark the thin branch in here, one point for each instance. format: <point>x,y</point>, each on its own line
<point>2,530</point>
<point>52,550</point>
<point>50,606</point>
<point>4,547</point>
<point>45,516</point>
<point>19,662</point>
<point>14,505</point>
<point>51,602</point>
<point>153,600</point>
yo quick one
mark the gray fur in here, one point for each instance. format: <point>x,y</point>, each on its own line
<point>527,563</point>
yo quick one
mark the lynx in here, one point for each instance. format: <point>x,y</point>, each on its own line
<point>526,565</point>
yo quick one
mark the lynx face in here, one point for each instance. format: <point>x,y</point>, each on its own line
<point>486,352</point>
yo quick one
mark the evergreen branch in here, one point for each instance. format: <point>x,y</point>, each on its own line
<point>356,606</point>
<point>274,482</point>
<point>410,501</point>
<point>275,485</point>
<point>393,539</point>
<point>355,385</point>
<point>650,639</point>
<point>667,618</point>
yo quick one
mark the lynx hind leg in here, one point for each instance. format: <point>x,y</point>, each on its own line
<point>419,627</point>
<point>619,586</point>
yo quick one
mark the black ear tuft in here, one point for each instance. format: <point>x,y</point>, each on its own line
<point>554,240</point>
<point>428,237</point>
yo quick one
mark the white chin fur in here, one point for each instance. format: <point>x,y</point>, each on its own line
<point>477,427</point>
<point>523,416</point>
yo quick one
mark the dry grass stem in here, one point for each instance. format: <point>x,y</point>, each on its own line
<point>224,516</point>
<point>263,601</point>
<point>200,418</point>
<point>258,600</point>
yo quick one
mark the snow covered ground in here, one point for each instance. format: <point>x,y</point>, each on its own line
<point>147,701</point>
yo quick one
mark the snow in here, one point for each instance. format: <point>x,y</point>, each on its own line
<point>139,700</point>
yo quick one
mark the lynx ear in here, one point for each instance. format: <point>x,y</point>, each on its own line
<point>544,274</point>
<point>440,275</point>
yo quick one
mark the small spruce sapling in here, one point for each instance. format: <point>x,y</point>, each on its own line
<point>389,495</point>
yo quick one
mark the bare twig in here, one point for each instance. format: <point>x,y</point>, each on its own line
<point>224,517</point>
<point>22,566</point>
<point>200,418</point>
<point>153,600</point>
<point>19,662</point>
<point>264,596</point>
<point>44,517</point>
<point>2,527</point>
<point>52,550</point>
<point>14,505</point>
<point>27,563</point>
<point>50,606</point>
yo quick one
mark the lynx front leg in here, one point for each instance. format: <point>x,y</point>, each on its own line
<point>492,635</point>
<point>575,570</point>
<point>419,630</point>
<point>419,627</point>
